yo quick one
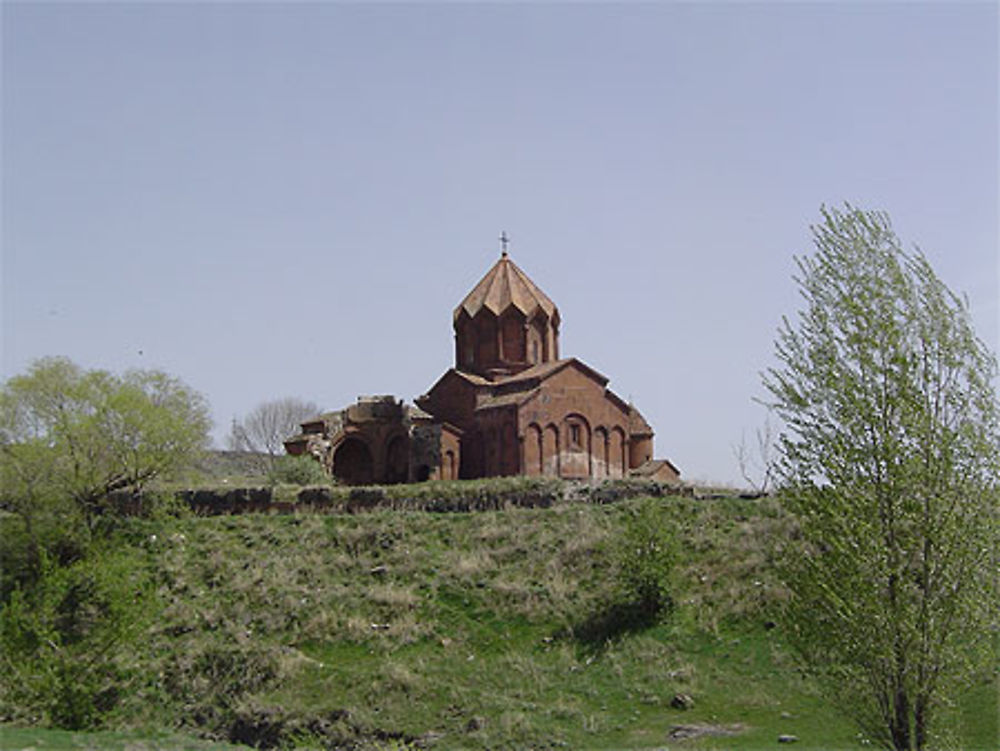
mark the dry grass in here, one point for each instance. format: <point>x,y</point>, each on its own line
<point>417,622</point>
<point>470,564</point>
<point>392,597</point>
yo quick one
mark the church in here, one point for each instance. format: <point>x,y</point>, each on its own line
<point>509,406</point>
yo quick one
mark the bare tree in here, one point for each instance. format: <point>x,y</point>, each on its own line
<point>758,462</point>
<point>265,429</point>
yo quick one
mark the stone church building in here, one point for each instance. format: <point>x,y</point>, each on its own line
<point>509,406</point>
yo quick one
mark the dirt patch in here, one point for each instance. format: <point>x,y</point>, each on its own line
<point>686,732</point>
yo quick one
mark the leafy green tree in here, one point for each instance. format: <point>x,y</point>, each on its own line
<point>71,434</point>
<point>890,462</point>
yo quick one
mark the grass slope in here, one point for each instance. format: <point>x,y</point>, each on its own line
<point>490,630</point>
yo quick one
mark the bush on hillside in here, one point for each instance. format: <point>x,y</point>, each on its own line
<point>61,640</point>
<point>297,470</point>
<point>646,554</point>
<point>56,533</point>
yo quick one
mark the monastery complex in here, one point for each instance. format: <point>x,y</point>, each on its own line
<point>509,406</point>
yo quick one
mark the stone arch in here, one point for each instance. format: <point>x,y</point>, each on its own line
<point>486,340</point>
<point>601,450</point>
<point>550,450</point>
<point>579,439</point>
<point>448,469</point>
<point>352,462</point>
<point>616,452</point>
<point>512,337</point>
<point>465,341</point>
<point>397,460</point>
<point>576,453</point>
<point>535,350</point>
<point>534,463</point>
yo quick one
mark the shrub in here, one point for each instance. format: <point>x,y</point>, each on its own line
<point>61,640</point>
<point>297,470</point>
<point>209,680</point>
<point>646,554</point>
<point>56,533</point>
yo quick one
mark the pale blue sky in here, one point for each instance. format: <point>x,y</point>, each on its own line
<point>290,199</point>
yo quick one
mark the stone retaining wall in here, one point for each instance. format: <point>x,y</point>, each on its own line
<point>436,497</point>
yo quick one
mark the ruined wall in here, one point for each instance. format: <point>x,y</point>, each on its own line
<point>425,453</point>
<point>377,440</point>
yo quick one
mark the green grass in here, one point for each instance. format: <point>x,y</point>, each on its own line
<point>42,739</point>
<point>518,690</point>
<point>488,630</point>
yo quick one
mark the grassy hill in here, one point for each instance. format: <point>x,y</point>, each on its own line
<point>494,630</point>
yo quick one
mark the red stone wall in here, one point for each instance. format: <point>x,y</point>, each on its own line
<point>453,399</point>
<point>571,428</point>
<point>500,442</point>
<point>640,451</point>
<point>451,455</point>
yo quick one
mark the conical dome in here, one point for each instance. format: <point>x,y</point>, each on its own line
<point>506,285</point>
<point>505,324</point>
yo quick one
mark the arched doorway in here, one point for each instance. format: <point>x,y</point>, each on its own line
<point>352,463</point>
<point>397,460</point>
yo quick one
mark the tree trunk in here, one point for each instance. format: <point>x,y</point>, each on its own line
<point>920,718</point>
<point>901,722</point>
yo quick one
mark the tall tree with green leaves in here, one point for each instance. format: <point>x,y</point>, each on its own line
<point>890,463</point>
<point>67,434</point>
<point>68,438</point>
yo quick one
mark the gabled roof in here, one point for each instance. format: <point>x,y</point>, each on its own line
<point>543,370</point>
<point>514,399</point>
<point>637,423</point>
<point>519,388</point>
<point>474,378</point>
<point>415,413</point>
<point>505,286</point>
<point>652,466</point>
<point>452,373</point>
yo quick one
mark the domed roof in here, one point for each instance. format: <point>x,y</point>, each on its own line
<point>505,285</point>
